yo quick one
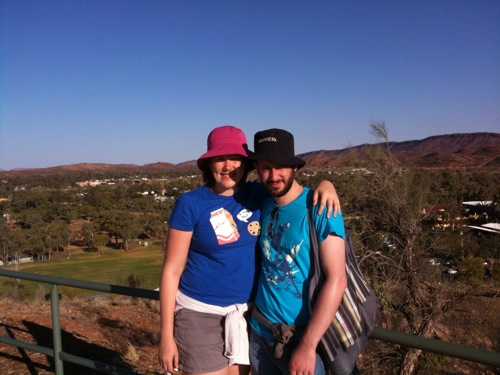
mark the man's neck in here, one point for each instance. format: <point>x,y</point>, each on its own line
<point>292,194</point>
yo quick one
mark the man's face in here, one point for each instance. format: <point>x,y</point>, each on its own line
<point>276,178</point>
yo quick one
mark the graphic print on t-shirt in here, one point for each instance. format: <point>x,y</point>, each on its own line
<point>280,268</point>
<point>224,226</point>
<point>254,228</point>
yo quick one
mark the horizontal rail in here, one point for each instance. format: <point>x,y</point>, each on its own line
<point>407,340</point>
<point>95,365</point>
<point>110,369</point>
<point>437,346</point>
<point>26,345</point>
<point>82,284</point>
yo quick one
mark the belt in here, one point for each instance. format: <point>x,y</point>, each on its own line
<point>282,332</point>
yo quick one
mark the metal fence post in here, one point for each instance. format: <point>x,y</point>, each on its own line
<point>56,329</point>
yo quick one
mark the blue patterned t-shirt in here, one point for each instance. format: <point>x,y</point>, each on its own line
<point>283,286</point>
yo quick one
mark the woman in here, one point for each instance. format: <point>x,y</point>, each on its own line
<point>208,274</point>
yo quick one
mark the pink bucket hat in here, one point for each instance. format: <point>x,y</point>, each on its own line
<point>225,140</point>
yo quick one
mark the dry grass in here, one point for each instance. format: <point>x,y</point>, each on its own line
<point>130,353</point>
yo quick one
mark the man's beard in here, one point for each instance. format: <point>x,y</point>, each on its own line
<point>277,193</point>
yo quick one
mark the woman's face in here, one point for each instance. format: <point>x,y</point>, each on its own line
<point>227,171</point>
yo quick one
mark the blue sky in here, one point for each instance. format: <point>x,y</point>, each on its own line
<point>120,81</point>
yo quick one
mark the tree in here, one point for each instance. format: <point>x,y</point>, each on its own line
<point>87,212</point>
<point>128,227</point>
<point>37,241</point>
<point>58,236</point>
<point>389,207</point>
<point>87,232</point>
<point>100,240</point>
<point>120,225</point>
<point>153,226</point>
<point>108,221</point>
<point>7,244</point>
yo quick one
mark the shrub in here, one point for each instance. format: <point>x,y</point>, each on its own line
<point>133,281</point>
<point>471,269</point>
<point>495,273</point>
<point>15,290</point>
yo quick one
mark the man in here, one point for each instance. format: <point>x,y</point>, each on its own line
<point>281,305</point>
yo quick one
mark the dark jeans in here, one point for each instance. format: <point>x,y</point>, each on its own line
<point>262,359</point>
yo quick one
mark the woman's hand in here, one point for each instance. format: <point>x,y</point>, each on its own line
<point>168,355</point>
<point>327,195</point>
<point>176,251</point>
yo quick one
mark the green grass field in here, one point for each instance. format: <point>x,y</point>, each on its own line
<point>112,267</point>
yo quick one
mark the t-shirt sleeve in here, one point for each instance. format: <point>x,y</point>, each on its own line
<point>182,216</point>
<point>326,226</point>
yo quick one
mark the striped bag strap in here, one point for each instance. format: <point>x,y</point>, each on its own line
<point>347,325</point>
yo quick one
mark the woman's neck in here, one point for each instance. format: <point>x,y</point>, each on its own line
<point>221,190</point>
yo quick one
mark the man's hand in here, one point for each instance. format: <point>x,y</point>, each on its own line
<point>303,360</point>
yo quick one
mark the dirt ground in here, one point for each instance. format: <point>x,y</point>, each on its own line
<point>124,332</point>
<point>121,332</point>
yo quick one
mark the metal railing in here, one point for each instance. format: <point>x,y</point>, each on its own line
<point>411,341</point>
<point>57,352</point>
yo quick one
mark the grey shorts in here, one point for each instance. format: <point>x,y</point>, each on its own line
<point>200,341</point>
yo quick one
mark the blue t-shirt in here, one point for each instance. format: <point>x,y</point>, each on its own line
<point>283,287</point>
<point>220,267</point>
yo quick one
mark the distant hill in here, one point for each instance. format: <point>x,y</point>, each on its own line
<point>93,168</point>
<point>465,150</point>
<point>462,150</point>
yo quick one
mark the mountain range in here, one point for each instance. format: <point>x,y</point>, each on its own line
<point>460,150</point>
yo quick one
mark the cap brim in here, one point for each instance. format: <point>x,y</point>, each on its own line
<point>280,159</point>
<point>203,159</point>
